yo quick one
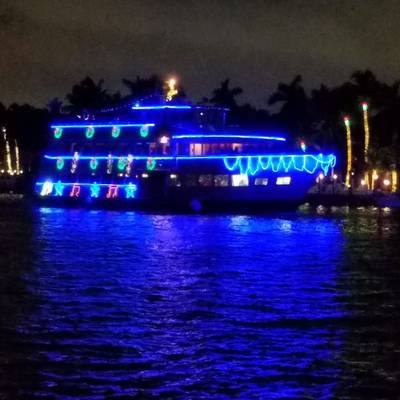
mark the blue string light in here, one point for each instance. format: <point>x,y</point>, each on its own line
<point>245,164</point>
<point>162,107</point>
<point>229,136</point>
<point>77,126</point>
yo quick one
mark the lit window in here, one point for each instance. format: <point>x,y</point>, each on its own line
<point>240,180</point>
<point>283,180</point>
<point>261,181</point>
<point>206,180</point>
<point>221,180</point>
<point>196,149</point>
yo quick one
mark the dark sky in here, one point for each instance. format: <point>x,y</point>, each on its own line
<point>47,45</point>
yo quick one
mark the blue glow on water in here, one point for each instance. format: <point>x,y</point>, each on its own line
<point>98,304</point>
<point>173,304</point>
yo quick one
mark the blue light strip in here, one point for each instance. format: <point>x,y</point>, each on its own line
<point>107,157</point>
<point>229,136</point>
<point>127,125</point>
<point>251,164</point>
<point>89,184</point>
<point>163,107</point>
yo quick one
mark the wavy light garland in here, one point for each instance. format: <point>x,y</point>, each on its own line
<point>251,165</point>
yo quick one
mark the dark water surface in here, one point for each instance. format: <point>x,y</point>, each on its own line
<point>99,304</point>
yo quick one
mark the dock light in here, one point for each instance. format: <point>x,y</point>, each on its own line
<point>386,182</point>
<point>321,176</point>
<point>335,177</point>
<point>363,183</point>
<point>173,176</point>
<point>375,176</point>
<point>145,175</point>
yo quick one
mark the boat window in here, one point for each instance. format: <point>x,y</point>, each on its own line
<point>190,180</point>
<point>283,180</point>
<point>240,180</point>
<point>206,180</point>
<point>221,180</point>
<point>196,149</point>
<point>261,181</point>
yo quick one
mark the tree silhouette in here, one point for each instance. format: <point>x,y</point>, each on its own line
<point>89,95</point>
<point>144,88</point>
<point>294,112</point>
<point>224,96</point>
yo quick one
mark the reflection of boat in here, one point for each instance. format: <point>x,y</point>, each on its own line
<point>169,155</point>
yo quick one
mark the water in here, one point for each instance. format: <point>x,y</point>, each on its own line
<point>97,304</point>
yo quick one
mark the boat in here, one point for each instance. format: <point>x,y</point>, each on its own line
<point>173,156</point>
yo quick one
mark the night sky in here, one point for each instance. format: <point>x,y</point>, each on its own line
<point>48,45</point>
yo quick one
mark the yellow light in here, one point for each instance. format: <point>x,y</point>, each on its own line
<point>349,155</point>
<point>366,179</point>
<point>375,177</point>
<point>366,130</point>
<point>17,157</point>
<point>363,182</point>
<point>394,181</point>
<point>172,91</point>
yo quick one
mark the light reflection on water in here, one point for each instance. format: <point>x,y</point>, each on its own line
<point>96,304</point>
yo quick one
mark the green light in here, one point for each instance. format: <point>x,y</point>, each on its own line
<point>115,131</point>
<point>93,164</point>
<point>150,164</point>
<point>60,164</point>
<point>89,132</point>
<point>121,163</point>
<point>144,131</point>
<point>58,133</point>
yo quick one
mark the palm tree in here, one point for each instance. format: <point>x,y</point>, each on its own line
<point>144,88</point>
<point>294,111</point>
<point>224,96</point>
<point>89,95</point>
